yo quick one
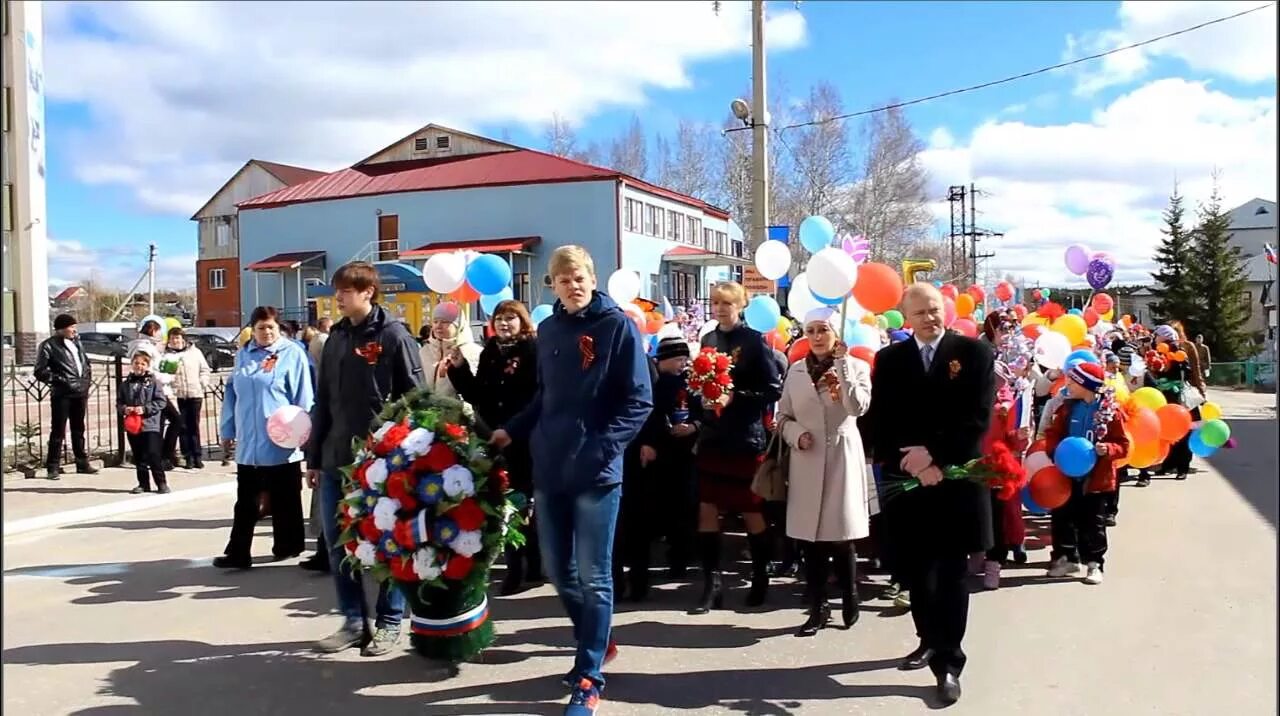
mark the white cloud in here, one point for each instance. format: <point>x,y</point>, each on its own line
<point>1242,49</point>
<point>117,267</point>
<point>1104,183</point>
<point>181,94</point>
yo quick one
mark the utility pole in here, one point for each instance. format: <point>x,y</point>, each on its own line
<point>759,131</point>
<point>151,281</point>
<point>956,196</point>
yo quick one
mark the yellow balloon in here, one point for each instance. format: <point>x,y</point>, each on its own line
<point>245,335</point>
<point>1148,398</point>
<point>1033,318</point>
<point>1211,411</point>
<point>784,326</point>
<point>869,319</point>
<point>1122,394</point>
<point>1073,327</point>
<point>1109,315</point>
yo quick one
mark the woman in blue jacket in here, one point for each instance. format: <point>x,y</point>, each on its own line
<point>271,371</point>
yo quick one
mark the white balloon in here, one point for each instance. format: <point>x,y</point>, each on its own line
<point>624,286</point>
<point>832,273</point>
<point>289,427</point>
<point>800,299</point>
<point>445,273</point>
<point>707,327</point>
<point>773,259</point>
<point>1036,461</point>
<point>1052,349</point>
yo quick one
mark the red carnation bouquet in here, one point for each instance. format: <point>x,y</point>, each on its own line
<point>709,378</point>
<point>1000,469</point>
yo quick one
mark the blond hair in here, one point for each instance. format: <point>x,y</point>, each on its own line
<point>568,258</point>
<point>733,291</point>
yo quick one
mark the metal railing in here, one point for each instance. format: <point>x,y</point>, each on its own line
<point>1243,374</point>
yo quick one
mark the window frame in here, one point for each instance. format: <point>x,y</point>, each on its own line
<point>217,285</point>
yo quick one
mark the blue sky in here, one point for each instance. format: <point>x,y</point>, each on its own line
<point>153,106</point>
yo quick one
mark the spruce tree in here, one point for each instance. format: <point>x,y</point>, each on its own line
<point>1175,297</point>
<point>1218,282</point>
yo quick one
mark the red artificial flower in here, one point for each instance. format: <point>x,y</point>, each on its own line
<point>369,531</point>
<point>458,567</point>
<point>467,514</point>
<point>400,487</point>
<point>351,546</point>
<point>711,392</point>
<point>402,533</point>
<point>724,380</point>
<point>370,352</point>
<point>393,438</point>
<point>439,458</point>
<point>695,384</point>
<point>702,364</point>
<point>708,349</point>
<point>722,363</point>
<point>402,570</point>
<point>361,474</point>
<point>587,348</point>
<point>499,481</point>
<point>455,432</point>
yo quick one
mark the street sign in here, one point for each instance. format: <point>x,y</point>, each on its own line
<point>757,284</point>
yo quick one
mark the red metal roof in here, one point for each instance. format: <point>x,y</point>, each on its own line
<point>484,246</point>
<point>289,174</point>
<point>291,260</point>
<point>69,293</point>
<point>506,168</point>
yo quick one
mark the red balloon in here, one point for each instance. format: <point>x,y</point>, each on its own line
<point>465,294</point>
<point>948,311</point>
<point>775,340</point>
<point>1090,317</point>
<point>1036,295</point>
<point>1050,488</point>
<point>1033,330</point>
<point>1102,303</point>
<point>1175,422</point>
<point>979,294</point>
<point>965,326</point>
<point>798,350</point>
<point>1019,310</point>
<point>864,354</point>
<point>879,287</point>
<point>1004,291</point>
<point>948,291</point>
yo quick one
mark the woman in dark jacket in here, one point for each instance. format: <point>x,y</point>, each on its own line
<point>502,384</point>
<point>731,443</point>
<point>1182,383</point>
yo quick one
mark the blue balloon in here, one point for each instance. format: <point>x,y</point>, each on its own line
<point>1030,504</point>
<point>1081,356</point>
<point>540,313</point>
<point>1076,312</point>
<point>860,334</point>
<point>937,284</point>
<point>491,301</point>
<point>816,233</point>
<point>762,313</point>
<point>1075,457</point>
<point>488,274</point>
<point>652,343</point>
<point>1198,448</point>
<point>827,301</point>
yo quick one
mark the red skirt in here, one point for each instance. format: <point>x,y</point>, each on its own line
<point>724,480</point>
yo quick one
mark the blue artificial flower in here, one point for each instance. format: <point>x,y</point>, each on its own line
<point>446,530</point>
<point>387,545</point>
<point>370,499</point>
<point>398,460</point>
<point>430,489</point>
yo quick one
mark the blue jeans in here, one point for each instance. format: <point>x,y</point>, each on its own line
<point>576,531</point>
<point>351,602</point>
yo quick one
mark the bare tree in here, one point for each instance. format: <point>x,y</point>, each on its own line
<point>820,157</point>
<point>561,139</point>
<point>686,165</point>
<point>732,162</point>
<point>629,152</point>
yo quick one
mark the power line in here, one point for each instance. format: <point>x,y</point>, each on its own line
<point>1024,75</point>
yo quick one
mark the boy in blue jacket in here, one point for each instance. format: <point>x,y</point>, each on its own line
<point>594,394</point>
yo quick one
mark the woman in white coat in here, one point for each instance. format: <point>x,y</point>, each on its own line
<point>822,398</point>
<point>449,330</point>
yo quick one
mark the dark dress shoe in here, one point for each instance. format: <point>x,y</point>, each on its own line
<point>818,618</point>
<point>318,562</point>
<point>225,562</point>
<point>948,689</point>
<point>86,469</point>
<point>916,660</point>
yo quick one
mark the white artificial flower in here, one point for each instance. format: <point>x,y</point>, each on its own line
<point>376,474</point>
<point>468,542</point>
<point>355,502</point>
<point>382,431</point>
<point>366,553</point>
<point>384,513</point>
<point>417,442</point>
<point>425,565</point>
<point>458,482</point>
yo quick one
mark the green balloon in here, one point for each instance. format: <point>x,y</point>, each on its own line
<point>1214,433</point>
<point>882,323</point>
<point>1044,292</point>
<point>893,319</point>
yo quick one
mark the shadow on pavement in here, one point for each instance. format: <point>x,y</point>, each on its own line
<point>1250,467</point>
<point>69,490</point>
<point>171,524</point>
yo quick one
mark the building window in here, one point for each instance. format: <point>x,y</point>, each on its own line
<point>635,216</point>
<point>420,144</point>
<point>222,234</point>
<point>674,225</point>
<point>739,249</point>
<point>520,288</point>
<point>708,241</point>
<point>442,141</point>
<point>722,242</point>
<point>217,278</point>
<point>8,108</point>
<point>655,286</point>
<point>7,219</point>
<point>652,220</point>
<point>693,230</point>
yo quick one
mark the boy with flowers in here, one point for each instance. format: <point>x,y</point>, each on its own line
<point>1079,526</point>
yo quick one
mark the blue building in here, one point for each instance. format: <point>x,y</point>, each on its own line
<point>439,189</point>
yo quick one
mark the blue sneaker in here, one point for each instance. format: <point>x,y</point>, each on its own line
<point>583,700</point>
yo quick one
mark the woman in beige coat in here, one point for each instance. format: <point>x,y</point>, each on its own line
<point>822,398</point>
<point>448,331</point>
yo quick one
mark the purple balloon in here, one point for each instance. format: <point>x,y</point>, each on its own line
<point>1099,274</point>
<point>1077,259</point>
<point>1105,257</point>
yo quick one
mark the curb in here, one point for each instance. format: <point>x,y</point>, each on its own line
<point>112,509</point>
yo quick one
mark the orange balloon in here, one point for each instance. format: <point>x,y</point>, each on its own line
<point>1033,330</point>
<point>965,306</point>
<point>798,350</point>
<point>465,294</point>
<point>1090,317</point>
<point>864,354</point>
<point>775,340</point>
<point>1050,488</point>
<point>653,325</point>
<point>879,287</point>
<point>1162,348</point>
<point>1123,460</point>
<point>1175,422</point>
<point>1145,425</point>
<point>1144,455</point>
<point>1180,356</point>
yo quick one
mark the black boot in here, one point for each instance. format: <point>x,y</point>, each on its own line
<point>815,579</point>
<point>712,585</point>
<point>846,563</point>
<point>532,556</point>
<point>514,578</point>
<point>760,552</point>
<point>84,468</point>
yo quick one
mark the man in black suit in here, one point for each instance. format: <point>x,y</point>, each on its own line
<point>931,400</point>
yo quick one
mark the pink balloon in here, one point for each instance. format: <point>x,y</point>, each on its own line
<point>950,291</point>
<point>949,311</point>
<point>965,326</point>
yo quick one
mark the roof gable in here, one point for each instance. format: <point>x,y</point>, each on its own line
<point>435,142</point>
<point>285,174</point>
<point>1254,214</point>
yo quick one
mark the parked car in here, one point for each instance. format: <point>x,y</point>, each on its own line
<point>104,344</point>
<point>218,352</point>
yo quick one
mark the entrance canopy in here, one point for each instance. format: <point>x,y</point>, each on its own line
<point>689,256</point>
<point>288,261</point>
<point>509,245</point>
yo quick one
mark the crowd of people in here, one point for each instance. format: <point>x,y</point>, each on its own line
<point>610,451</point>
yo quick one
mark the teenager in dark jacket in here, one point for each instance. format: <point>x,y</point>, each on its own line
<point>501,384</point>
<point>369,359</point>
<point>62,365</point>
<point>141,396</point>
<point>593,397</point>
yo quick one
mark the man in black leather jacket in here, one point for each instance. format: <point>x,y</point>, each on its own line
<point>62,365</point>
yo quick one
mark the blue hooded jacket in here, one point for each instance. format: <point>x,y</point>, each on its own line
<point>586,409</point>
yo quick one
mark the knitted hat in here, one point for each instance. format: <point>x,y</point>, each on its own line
<point>672,347</point>
<point>446,311</point>
<point>1125,354</point>
<point>65,320</point>
<point>1166,333</point>
<point>1109,357</point>
<point>1088,376</point>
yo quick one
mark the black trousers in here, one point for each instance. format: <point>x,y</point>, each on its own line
<point>1079,527</point>
<point>67,408</point>
<point>186,431</point>
<point>1179,460</point>
<point>636,528</point>
<point>147,460</point>
<point>1112,503</point>
<point>174,426</point>
<point>939,605</point>
<point>284,484</point>
<point>677,511</point>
